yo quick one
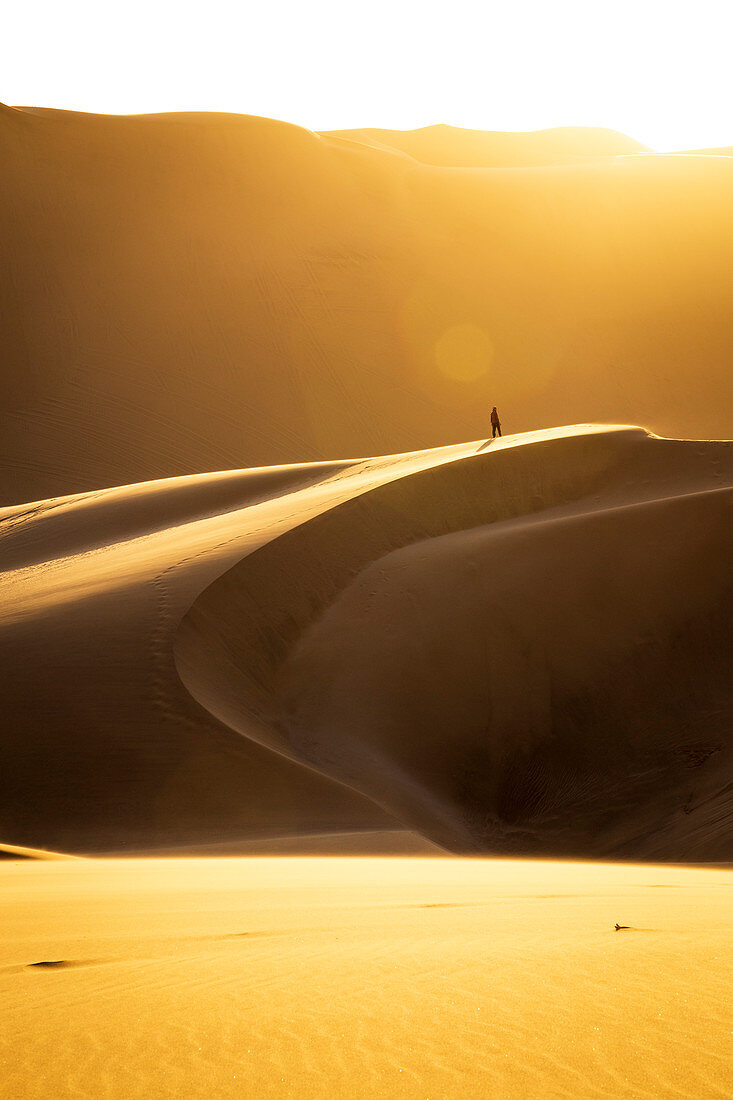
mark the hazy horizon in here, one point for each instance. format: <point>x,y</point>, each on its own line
<point>648,72</point>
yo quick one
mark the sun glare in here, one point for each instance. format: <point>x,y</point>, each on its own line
<point>464,353</point>
<point>656,71</point>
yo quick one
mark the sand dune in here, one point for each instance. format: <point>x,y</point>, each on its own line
<point>522,646</point>
<point>527,649</point>
<point>499,703</point>
<point>208,658</point>
<point>191,293</point>
<point>103,746</point>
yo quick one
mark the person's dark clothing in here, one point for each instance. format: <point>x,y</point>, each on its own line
<point>494,429</point>
<point>495,423</point>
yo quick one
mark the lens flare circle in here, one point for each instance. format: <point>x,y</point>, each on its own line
<point>464,353</point>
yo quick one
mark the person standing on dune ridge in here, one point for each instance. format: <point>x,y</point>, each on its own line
<point>495,423</point>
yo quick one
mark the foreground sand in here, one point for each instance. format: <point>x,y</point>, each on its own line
<point>419,978</point>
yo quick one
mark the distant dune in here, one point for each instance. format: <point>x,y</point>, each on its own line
<point>453,147</point>
<point>521,646</point>
<point>188,293</point>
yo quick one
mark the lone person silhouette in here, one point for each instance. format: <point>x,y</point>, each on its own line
<point>495,423</point>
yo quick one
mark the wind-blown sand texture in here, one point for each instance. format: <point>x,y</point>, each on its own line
<point>360,977</point>
<point>520,647</point>
<point>199,292</point>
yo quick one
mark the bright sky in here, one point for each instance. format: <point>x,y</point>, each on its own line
<point>658,70</point>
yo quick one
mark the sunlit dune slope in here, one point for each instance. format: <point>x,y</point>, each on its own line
<point>13,851</point>
<point>195,292</point>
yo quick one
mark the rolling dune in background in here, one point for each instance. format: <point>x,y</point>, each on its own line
<point>185,293</point>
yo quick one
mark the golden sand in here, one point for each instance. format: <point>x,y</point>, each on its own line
<point>416,978</point>
<point>519,646</point>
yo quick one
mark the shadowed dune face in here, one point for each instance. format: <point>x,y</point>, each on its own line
<point>196,292</point>
<point>567,708</point>
<point>524,651</point>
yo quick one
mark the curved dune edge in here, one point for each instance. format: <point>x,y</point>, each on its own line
<point>357,644</point>
<point>105,751</point>
<point>14,851</point>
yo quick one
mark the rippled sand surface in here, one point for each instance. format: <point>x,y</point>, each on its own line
<point>281,977</point>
